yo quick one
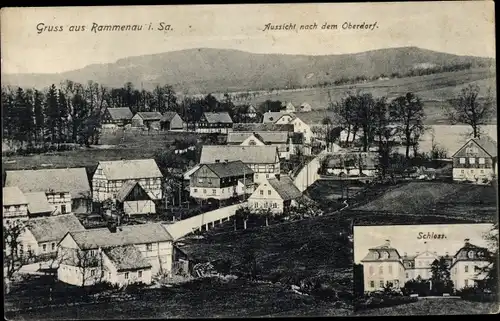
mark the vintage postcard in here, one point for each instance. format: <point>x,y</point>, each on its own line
<point>185,161</point>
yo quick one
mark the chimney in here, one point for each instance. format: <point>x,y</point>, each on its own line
<point>447,253</point>
<point>112,227</point>
<point>418,252</point>
<point>387,243</point>
<point>467,241</point>
<point>406,254</point>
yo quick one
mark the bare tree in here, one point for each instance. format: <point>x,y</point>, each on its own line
<point>14,255</point>
<point>468,108</point>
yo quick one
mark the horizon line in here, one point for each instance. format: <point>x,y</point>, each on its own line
<point>245,51</point>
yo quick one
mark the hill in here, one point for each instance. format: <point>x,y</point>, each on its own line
<point>217,70</point>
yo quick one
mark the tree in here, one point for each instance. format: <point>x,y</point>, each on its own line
<point>490,271</point>
<point>63,116</point>
<point>408,113</point>
<point>269,105</point>
<point>14,255</point>
<point>39,116</point>
<point>441,277</point>
<point>52,113</point>
<point>468,108</point>
<point>24,117</point>
<point>244,214</point>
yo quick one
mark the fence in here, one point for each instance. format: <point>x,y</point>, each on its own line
<point>184,227</point>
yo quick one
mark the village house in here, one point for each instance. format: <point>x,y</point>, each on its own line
<point>288,107</point>
<point>14,205</point>
<point>305,107</point>
<point>38,205</point>
<point>353,164</point>
<point>116,117</point>
<point>110,177</point>
<point>119,255</point>
<point>281,140</point>
<point>277,194</point>
<point>133,199</point>
<point>476,160</point>
<point>171,121</point>
<point>221,181</point>
<point>384,264</point>
<point>67,189</point>
<point>263,160</point>
<point>214,123</point>
<point>42,234</point>
<point>262,127</point>
<point>147,119</point>
<point>299,126</point>
<point>251,112</point>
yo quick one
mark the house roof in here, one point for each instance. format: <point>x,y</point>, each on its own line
<point>285,187</point>
<point>487,143</point>
<point>126,189</point>
<point>126,257</point>
<point>150,115</point>
<point>72,180</point>
<point>218,117</point>
<point>272,116</point>
<point>269,137</point>
<point>288,105</point>
<point>124,235</point>
<point>54,228</point>
<point>229,169</point>
<point>13,196</point>
<point>255,127</point>
<point>251,109</point>
<point>130,169</point>
<point>372,254</point>
<point>305,105</point>
<point>247,154</point>
<point>168,115</point>
<point>190,172</point>
<point>38,203</point>
<point>120,113</point>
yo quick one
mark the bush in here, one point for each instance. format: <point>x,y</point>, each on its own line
<point>476,294</point>
<point>381,300</point>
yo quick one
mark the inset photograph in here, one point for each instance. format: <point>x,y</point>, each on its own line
<point>426,269</point>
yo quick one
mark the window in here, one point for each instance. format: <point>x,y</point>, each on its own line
<point>139,274</point>
<point>275,205</point>
<point>466,268</point>
<point>109,275</point>
<point>381,283</point>
<point>44,247</point>
<point>472,160</point>
<point>217,160</point>
<point>63,209</point>
<point>381,270</point>
<point>149,247</point>
<point>200,180</point>
<point>17,207</point>
<point>268,192</point>
<point>481,160</point>
<point>92,272</point>
<point>462,171</point>
<point>466,283</point>
<point>370,269</point>
<point>126,275</point>
<point>261,192</point>
<point>481,171</point>
<point>267,175</point>
<point>204,191</point>
<point>372,284</point>
<point>91,252</point>
<point>195,190</point>
<point>407,276</point>
<point>462,160</point>
<point>390,269</point>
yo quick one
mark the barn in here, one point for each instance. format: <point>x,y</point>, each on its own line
<point>133,199</point>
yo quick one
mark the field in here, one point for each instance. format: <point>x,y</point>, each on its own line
<point>434,307</point>
<point>451,200</point>
<point>435,87</point>
<point>199,298</point>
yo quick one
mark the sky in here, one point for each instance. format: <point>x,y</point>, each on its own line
<point>464,28</point>
<point>405,238</point>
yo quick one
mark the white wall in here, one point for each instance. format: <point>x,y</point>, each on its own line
<point>471,174</point>
<point>139,207</point>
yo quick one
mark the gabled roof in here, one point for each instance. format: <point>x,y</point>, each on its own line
<point>190,172</point>
<point>150,115</point>
<point>38,203</point>
<point>229,169</point>
<point>247,154</point>
<point>267,137</point>
<point>488,144</point>
<point>124,235</point>
<point>13,196</point>
<point>126,258</point>
<point>126,189</point>
<point>120,113</point>
<point>272,116</point>
<point>54,228</point>
<point>169,115</point>
<point>130,169</point>
<point>305,105</point>
<point>285,187</point>
<point>256,127</point>
<point>218,118</point>
<point>72,180</point>
<point>251,109</point>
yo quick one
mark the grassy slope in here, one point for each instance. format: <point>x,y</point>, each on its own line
<point>434,307</point>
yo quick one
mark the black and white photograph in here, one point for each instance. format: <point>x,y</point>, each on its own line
<point>213,161</point>
<point>417,269</point>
